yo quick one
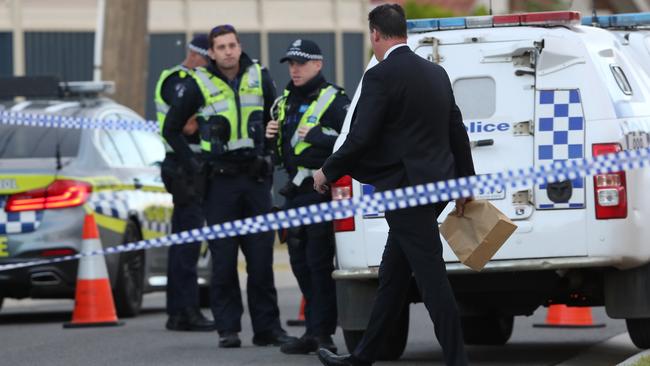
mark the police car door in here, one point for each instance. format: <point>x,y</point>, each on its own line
<point>494,87</point>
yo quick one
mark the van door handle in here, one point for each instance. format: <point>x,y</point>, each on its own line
<point>479,143</point>
<point>524,72</point>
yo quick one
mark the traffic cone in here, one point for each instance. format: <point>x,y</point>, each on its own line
<point>562,316</point>
<point>301,316</point>
<point>93,304</point>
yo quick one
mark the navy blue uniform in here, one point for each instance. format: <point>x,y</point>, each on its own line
<point>236,189</point>
<point>182,287</point>
<point>311,247</point>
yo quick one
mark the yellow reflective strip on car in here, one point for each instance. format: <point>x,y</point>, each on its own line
<point>11,183</point>
<point>110,223</point>
<point>150,234</point>
<point>4,249</point>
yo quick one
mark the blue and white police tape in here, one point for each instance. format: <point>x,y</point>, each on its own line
<point>381,201</point>
<point>60,121</point>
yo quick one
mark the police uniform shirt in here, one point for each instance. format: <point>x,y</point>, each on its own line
<point>189,100</point>
<point>320,137</point>
<point>171,89</point>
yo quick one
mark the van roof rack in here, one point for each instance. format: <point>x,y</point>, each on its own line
<point>44,87</point>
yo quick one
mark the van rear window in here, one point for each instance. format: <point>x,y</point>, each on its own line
<point>19,142</point>
<point>476,97</point>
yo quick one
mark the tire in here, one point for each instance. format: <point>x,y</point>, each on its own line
<point>395,343</point>
<point>639,330</point>
<point>487,330</point>
<point>129,287</point>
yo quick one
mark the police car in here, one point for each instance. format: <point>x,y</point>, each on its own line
<point>51,177</point>
<point>534,88</point>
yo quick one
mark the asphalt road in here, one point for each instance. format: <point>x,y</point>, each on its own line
<point>31,334</point>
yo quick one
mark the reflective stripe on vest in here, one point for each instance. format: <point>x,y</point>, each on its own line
<point>161,106</point>
<point>310,118</point>
<point>220,100</point>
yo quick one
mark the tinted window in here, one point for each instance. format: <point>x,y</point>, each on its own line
<point>18,142</point>
<point>150,146</point>
<point>476,97</point>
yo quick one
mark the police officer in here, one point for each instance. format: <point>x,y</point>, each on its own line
<point>310,116</point>
<point>182,287</point>
<point>232,97</point>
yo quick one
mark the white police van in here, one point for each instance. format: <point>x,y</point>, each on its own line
<point>534,88</point>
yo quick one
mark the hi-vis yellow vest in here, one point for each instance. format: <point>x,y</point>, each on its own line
<point>161,106</point>
<point>310,118</point>
<point>221,100</point>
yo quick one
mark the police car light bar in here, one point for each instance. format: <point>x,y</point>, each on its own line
<point>553,18</point>
<point>630,20</point>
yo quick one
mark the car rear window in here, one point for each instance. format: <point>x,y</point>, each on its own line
<point>19,142</point>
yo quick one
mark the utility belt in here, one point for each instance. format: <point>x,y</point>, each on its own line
<point>301,183</point>
<point>259,167</point>
<point>196,148</point>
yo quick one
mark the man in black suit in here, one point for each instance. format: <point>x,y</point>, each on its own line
<point>407,131</point>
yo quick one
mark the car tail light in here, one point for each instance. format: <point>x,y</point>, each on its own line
<point>57,252</point>
<point>342,190</point>
<point>610,192</point>
<point>60,194</point>
<point>551,18</point>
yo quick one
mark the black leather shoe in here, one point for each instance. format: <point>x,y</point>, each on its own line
<point>301,346</point>
<point>190,319</point>
<point>273,338</point>
<point>326,342</point>
<point>229,340</point>
<point>328,358</point>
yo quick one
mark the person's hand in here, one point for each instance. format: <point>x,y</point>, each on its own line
<point>303,131</point>
<point>320,182</point>
<point>191,126</point>
<point>460,205</point>
<point>272,129</point>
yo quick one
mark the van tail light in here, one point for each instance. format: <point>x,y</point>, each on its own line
<point>60,194</point>
<point>342,190</point>
<point>610,189</point>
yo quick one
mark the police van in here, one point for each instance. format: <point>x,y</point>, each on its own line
<point>534,88</point>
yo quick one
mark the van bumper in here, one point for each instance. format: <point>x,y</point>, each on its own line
<point>514,265</point>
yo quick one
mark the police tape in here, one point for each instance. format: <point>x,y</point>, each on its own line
<point>74,122</point>
<point>380,201</point>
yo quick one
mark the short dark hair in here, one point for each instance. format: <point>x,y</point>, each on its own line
<point>389,20</point>
<point>220,30</point>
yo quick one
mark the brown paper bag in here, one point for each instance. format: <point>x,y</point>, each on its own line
<point>477,236</point>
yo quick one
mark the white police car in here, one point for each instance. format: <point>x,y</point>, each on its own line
<point>533,88</point>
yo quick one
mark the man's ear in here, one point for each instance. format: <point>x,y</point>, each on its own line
<point>319,64</point>
<point>211,53</point>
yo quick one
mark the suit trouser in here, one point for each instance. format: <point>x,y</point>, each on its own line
<point>182,286</point>
<point>414,246</point>
<point>231,197</point>
<point>311,254</point>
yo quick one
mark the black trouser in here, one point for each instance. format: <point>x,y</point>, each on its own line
<point>414,246</point>
<point>182,286</point>
<point>231,197</point>
<point>311,253</point>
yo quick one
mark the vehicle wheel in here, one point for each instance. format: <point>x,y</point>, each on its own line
<point>204,296</point>
<point>129,287</point>
<point>395,341</point>
<point>487,330</point>
<point>639,330</point>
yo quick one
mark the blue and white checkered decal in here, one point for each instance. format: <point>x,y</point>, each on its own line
<point>559,136</point>
<point>121,204</point>
<point>18,222</point>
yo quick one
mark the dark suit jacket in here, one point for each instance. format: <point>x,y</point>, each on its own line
<point>407,130</point>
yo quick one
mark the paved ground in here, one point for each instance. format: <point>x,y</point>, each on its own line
<point>31,333</point>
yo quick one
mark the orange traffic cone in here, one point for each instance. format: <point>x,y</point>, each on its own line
<point>301,316</point>
<point>562,316</point>
<point>93,304</point>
